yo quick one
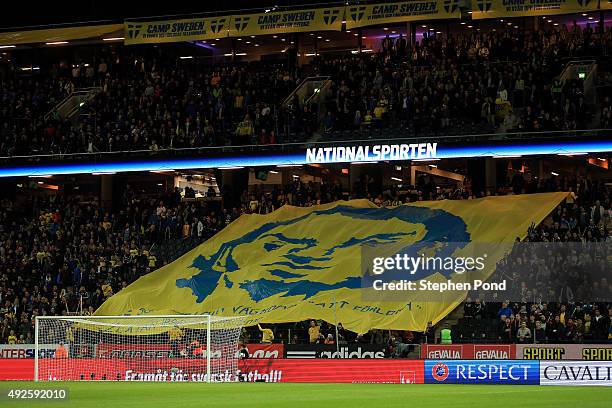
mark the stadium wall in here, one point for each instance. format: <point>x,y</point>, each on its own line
<point>587,352</point>
<point>509,372</point>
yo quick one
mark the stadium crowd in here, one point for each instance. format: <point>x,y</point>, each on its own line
<point>59,255</point>
<point>501,80</point>
<point>477,82</point>
<point>567,298</point>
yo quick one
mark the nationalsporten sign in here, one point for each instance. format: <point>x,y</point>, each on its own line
<point>412,151</point>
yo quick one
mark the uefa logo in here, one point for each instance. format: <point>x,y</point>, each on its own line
<point>439,371</point>
<point>407,377</point>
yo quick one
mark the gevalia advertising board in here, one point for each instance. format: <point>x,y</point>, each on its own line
<point>468,351</point>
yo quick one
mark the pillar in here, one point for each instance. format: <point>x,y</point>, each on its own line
<point>491,175</point>
<point>106,190</point>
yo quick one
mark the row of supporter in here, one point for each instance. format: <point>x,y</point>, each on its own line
<point>475,82</point>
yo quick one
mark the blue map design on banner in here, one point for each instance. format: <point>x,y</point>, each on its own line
<point>443,228</point>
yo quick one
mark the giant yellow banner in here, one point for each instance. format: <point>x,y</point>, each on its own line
<point>282,22</point>
<point>176,30</point>
<point>521,8</point>
<point>605,4</point>
<point>385,13</point>
<point>303,263</point>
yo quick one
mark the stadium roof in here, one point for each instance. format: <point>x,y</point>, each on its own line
<point>21,14</point>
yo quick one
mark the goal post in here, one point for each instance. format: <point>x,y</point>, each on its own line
<point>165,348</point>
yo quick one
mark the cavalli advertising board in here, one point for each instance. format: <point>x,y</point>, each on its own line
<point>576,373</point>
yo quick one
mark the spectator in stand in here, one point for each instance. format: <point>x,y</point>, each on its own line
<point>599,325</point>
<point>468,308</point>
<point>554,329</point>
<point>539,333</point>
<point>479,309</point>
<point>313,332</point>
<point>504,310</point>
<point>267,335</point>
<point>524,333</point>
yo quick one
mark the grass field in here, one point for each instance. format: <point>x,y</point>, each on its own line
<point>171,395</point>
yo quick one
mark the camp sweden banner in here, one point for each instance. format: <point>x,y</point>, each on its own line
<point>605,4</point>
<point>176,30</point>
<point>291,21</point>
<point>523,8</point>
<point>386,13</point>
<point>304,263</point>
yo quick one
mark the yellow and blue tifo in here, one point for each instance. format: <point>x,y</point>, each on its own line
<point>305,263</point>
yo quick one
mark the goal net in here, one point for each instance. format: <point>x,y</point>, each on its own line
<point>191,348</point>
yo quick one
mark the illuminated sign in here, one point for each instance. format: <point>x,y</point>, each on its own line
<point>482,372</point>
<point>336,154</point>
<point>328,154</point>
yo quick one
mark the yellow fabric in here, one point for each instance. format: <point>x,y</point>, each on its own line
<point>295,263</point>
<point>500,8</point>
<point>267,335</point>
<point>175,334</point>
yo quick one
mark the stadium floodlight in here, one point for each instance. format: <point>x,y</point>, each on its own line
<point>165,348</point>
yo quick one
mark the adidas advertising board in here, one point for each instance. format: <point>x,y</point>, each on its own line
<point>359,351</point>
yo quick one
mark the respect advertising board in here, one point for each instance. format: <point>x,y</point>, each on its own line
<point>517,372</point>
<point>589,352</point>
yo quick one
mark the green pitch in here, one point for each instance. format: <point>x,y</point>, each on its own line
<point>170,395</point>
